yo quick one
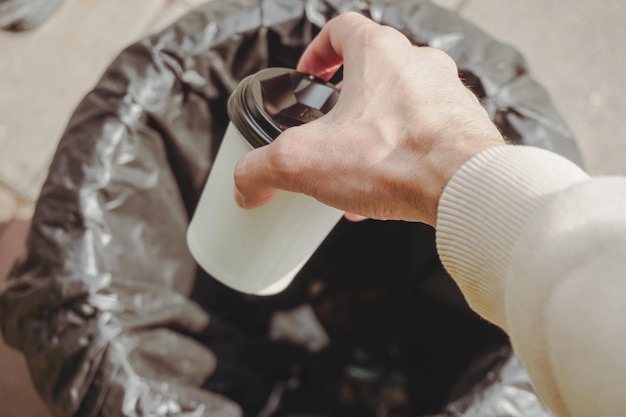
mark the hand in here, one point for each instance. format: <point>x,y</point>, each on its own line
<point>403,124</point>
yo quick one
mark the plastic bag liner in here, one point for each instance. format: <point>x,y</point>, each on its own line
<point>115,318</point>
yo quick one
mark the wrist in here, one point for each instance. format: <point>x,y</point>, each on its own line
<point>447,163</point>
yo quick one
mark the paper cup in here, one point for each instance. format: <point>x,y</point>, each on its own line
<point>260,251</point>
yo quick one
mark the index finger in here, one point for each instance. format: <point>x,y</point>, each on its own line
<point>325,54</point>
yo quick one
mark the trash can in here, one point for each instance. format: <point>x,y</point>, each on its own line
<point>116,319</point>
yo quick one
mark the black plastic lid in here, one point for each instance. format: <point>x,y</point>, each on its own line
<point>274,99</point>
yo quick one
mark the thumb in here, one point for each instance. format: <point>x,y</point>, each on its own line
<point>286,164</point>
<point>253,178</point>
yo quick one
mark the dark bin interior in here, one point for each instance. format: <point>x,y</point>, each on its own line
<point>116,319</point>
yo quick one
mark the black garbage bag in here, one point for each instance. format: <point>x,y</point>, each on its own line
<point>19,15</point>
<point>115,318</point>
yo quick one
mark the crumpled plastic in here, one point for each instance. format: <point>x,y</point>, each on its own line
<point>20,15</point>
<point>115,318</point>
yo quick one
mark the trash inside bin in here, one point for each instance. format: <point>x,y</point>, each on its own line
<point>115,318</point>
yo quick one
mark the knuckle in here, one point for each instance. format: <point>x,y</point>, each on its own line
<point>283,162</point>
<point>351,16</point>
<point>439,58</point>
<point>279,160</point>
<point>382,38</point>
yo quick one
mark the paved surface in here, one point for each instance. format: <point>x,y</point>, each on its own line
<point>46,72</point>
<point>575,49</point>
<point>572,47</point>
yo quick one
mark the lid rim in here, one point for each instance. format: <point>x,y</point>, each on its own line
<point>247,112</point>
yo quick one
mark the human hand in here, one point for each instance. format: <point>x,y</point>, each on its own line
<point>403,124</point>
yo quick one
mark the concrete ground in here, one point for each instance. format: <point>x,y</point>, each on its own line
<point>572,47</point>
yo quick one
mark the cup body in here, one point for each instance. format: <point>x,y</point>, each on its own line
<point>256,251</point>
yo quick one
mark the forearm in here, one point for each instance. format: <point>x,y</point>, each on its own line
<point>483,210</point>
<point>525,235</point>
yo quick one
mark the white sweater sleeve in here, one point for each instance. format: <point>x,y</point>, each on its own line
<point>539,248</point>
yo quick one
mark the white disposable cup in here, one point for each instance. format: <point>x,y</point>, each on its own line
<point>257,251</point>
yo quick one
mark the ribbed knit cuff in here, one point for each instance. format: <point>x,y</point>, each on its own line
<point>483,210</point>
